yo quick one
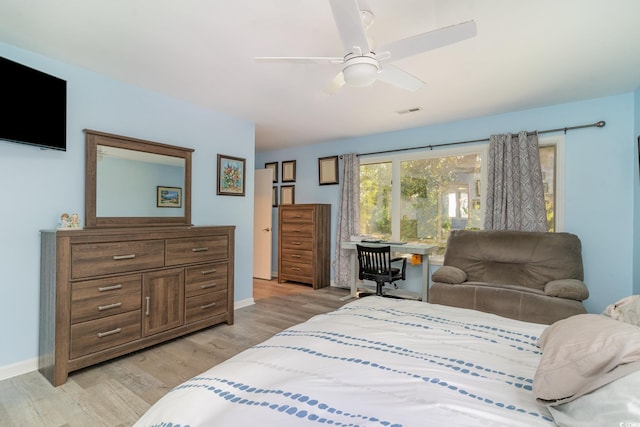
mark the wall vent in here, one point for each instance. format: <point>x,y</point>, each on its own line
<point>410,110</point>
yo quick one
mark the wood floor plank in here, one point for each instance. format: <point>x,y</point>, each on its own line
<point>118,392</point>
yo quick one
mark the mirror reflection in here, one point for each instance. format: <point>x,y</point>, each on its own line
<point>138,184</point>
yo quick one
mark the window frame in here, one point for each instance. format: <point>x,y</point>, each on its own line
<point>483,149</point>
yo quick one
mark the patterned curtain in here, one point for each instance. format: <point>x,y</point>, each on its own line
<point>348,218</point>
<point>515,193</point>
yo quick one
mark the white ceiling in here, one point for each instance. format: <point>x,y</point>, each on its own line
<point>526,54</point>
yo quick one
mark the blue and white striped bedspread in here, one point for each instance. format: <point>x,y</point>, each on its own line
<point>373,362</point>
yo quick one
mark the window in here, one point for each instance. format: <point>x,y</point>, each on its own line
<point>375,199</point>
<point>422,196</point>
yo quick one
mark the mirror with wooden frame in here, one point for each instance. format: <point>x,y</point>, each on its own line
<point>132,182</point>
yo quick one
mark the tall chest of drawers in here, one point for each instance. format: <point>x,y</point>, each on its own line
<point>304,240</point>
<point>107,292</point>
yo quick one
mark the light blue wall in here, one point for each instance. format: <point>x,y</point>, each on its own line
<point>38,185</point>
<point>601,178</point>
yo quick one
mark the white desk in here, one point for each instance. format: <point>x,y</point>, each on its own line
<point>408,248</point>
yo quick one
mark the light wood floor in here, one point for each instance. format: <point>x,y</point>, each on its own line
<point>118,392</point>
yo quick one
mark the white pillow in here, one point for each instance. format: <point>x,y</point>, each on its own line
<point>615,404</point>
<point>626,310</point>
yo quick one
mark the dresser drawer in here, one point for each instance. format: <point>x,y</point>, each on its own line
<point>288,242</point>
<point>105,287</point>
<point>297,229</point>
<point>197,249</point>
<point>297,256</point>
<point>297,215</point>
<point>300,270</point>
<point>94,259</point>
<point>206,305</point>
<point>95,299</point>
<point>206,278</point>
<point>101,334</point>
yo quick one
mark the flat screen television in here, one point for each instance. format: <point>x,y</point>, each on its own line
<point>33,106</point>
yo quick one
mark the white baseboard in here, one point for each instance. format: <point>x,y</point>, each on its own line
<point>18,368</point>
<point>243,303</point>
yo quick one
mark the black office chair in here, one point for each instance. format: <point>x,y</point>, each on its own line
<point>375,264</point>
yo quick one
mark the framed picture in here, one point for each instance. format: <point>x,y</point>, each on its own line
<point>328,170</point>
<point>169,197</point>
<point>274,167</point>
<point>287,194</point>
<point>274,197</point>
<point>289,171</point>
<point>231,176</point>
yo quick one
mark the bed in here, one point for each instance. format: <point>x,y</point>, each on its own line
<point>373,362</point>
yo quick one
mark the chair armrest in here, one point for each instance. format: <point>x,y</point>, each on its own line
<point>567,288</point>
<point>404,266</point>
<point>449,274</point>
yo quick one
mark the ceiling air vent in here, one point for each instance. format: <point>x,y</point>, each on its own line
<point>410,110</point>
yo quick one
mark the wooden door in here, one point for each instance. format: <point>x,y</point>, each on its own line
<point>162,300</point>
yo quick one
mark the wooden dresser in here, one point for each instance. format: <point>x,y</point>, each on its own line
<point>108,292</point>
<point>303,244</point>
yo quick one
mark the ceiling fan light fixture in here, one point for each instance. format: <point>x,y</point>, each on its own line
<point>361,71</point>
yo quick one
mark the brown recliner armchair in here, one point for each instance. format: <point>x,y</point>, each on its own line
<point>530,276</point>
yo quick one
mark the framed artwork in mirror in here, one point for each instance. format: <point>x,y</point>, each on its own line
<point>287,195</point>
<point>328,170</point>
<point>169,197</point>
<point>231,176</point>
<point>289,171</point>
<point>274,167</point>
<point>274,197</point>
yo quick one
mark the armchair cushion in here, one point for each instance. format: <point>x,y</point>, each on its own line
<point>567,288</point>
<point>449,274</point>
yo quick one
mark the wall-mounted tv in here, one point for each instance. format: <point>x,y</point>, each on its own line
<point>33,106</point>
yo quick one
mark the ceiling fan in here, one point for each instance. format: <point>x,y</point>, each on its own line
<point>361,66</point>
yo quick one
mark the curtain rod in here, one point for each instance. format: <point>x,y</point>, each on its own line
<point>599,124</point>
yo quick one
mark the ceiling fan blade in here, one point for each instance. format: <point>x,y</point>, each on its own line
<point>336,83</point>
<point>430,40</point>
<point>400,78</point>
<point>346,13</point>
<point>302,59</point>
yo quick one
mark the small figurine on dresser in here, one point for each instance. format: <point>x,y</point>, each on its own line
<point>69,221</point>
<point>75,220</point>
<point>64,221</point>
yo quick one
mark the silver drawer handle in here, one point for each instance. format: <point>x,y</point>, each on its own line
<point>110,288</point>
<point>147,311</point>
<point>296,256</point>
<point>297,216</point>
<point>204,307</point>
<point>213,270</point>
<point>297,231</point>
<point>296,243</point>
<point>295,268</point>
<point>107,307</point>
<point>200,249</point>
<point>209,285</point>
<point>111,332</point>
<point>120,257</point>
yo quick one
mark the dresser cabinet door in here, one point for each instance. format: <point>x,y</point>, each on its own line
<point>162,300</point>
